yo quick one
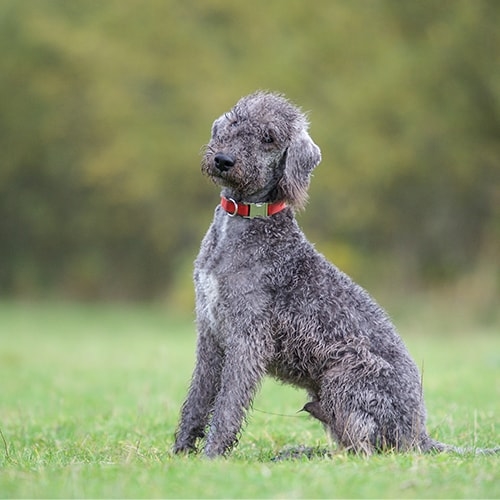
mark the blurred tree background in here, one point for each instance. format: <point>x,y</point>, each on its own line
<point>105,105</point>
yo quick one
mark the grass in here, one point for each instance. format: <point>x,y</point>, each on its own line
<point>89,401</point>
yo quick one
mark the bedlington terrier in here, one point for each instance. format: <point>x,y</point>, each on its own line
<point>268,303</point>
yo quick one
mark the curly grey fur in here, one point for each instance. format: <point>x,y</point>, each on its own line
<point>268,303</point>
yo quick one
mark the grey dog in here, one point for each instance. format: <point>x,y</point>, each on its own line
<point>268,303</point>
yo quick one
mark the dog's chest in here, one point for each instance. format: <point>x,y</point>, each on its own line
<point>207,296</point>
<point>227,272</point>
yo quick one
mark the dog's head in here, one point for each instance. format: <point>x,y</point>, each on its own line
<point>260,151</point>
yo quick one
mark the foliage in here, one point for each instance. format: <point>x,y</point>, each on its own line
<point>91,395</point>
<point>106,105</point>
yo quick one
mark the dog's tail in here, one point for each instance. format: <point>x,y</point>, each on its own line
<point>432,446</point>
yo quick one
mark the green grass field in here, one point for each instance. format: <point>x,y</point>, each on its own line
<point>90,397</point>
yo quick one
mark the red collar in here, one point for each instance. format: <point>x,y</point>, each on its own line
<point>251,210</point>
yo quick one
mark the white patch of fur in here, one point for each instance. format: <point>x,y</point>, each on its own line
<point>209,293</point>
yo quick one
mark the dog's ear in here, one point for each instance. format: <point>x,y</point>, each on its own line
<point>300,159</point>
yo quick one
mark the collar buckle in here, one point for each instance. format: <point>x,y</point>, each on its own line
<point>257,210</point>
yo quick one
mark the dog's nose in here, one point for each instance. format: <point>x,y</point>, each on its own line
<point>223,162</point>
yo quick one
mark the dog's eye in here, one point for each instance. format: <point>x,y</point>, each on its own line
<point>231,118</point>
<point>268,138</point>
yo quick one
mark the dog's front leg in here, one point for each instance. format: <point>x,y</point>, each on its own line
<point>204,386</point>
<point>244,367</point>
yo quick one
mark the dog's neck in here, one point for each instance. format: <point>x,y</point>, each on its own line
<point>251,210</point>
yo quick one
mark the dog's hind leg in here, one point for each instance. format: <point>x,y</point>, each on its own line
<point>356,432</point>
<point>343,408</point>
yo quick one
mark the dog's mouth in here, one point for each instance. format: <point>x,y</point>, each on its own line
<point>239,186</point>
<point>218,177</point>
<point>209,169</point>
<point>224,180</point>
